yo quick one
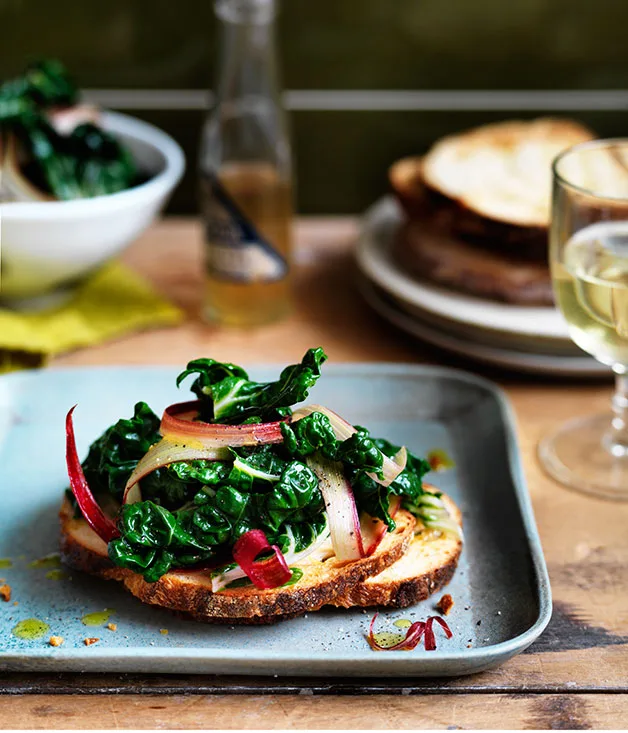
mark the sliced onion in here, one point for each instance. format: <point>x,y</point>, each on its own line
<point>391,467</point>
<point>292,558</point>
<point>163,454</point>
<point>374,530</point>
<point>94,515</point>
<point>264,574</point>
<point>342,513</point>
<point>178,424</point>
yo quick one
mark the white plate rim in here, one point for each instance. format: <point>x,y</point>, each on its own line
<point>374,260</point>
<point>573,366</point>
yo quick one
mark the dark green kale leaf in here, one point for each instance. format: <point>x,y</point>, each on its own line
<point>84,163</point>
<point>165,487</point>
<point>297,536</point>
<point>208,473</point>
<point>88,162</point>
<point>200,479</point>
<point>154,539</point>
<point>359,452</point>
<point>151,525</point>
<point>210,372</point>
<point>45,83</point>
<point>112,457</point>
<point>228,395</point>
<point>410,481</point>
<point>151,538</point>
<point>295,497</point>
<point>261,465</point>
<point>211,525</point>
<point>374,498</point>
<point>151,563</point>
<point>310,434</point>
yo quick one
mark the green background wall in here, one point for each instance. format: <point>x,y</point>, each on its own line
<point>479,49</point>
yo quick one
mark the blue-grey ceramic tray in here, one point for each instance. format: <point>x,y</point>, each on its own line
<point>501,589</point>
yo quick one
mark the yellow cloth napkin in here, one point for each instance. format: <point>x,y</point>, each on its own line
<point>112,302</point>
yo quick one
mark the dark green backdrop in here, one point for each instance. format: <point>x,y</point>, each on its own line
<point>495,56</point>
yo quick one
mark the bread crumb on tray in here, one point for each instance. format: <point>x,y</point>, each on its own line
<point>445,604</point>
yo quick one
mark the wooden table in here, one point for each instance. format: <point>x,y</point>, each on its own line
<point>575,676</point>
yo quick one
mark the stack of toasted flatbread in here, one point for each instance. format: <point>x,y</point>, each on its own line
<point>478,206</point>
<point>409,564</point>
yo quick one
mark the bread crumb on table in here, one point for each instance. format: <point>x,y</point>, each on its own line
<point>56,640</point>
<point>16,603</point>
<point>5,592</point>
<point>164,632</point>
<point>112,627</point>
<point>445,604</point>
<point>89,642</point>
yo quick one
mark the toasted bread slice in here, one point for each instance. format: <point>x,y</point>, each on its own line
<point>324,577</point>
<point>502,171</point>
<point>428,565</point>
<point>451,218</point>
<point>457,264</point>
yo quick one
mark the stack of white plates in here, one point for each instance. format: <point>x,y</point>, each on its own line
<point>525,338</point>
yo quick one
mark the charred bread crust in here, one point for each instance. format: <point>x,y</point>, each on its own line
<point>403,593</point>
<point>191,593</point>
<point>428,565</point>
<point>459,265</point>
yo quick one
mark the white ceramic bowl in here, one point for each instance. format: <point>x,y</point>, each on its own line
<point>46,247</point>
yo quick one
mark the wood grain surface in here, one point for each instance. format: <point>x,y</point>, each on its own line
<point>575,676</point>
<point>451,712</point>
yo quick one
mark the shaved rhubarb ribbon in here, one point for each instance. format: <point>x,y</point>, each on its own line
<point>101,524</point>
<point>291,556</point>
<point>391,467</point>
<point>416,631</point>
<point>179,425</point>
<point>374,530</point>
<point>342,512</point>
<point>187,439</point>
<point>270,572</point>
<point>430,641</point>
<point>163,454</point>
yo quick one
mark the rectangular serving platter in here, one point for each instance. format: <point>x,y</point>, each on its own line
<point>501,588</point>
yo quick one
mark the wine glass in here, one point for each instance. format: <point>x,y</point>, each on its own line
<point>589,264</point>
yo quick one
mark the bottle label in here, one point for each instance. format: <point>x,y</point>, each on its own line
<point>235,249</point>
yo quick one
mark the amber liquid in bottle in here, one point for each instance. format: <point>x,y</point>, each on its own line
<point>265,200</point>
<point>246,176</point>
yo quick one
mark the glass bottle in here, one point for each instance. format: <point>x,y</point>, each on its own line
<point>246,175</point>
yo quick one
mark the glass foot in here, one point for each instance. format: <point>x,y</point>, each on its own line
<point>579,455</point>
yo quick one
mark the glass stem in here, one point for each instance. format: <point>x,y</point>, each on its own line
<point>616,440</point>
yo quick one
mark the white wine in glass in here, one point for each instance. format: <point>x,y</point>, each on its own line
<point>589,262</point>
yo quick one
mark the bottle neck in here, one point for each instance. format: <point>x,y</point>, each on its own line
<point>248,61</point>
